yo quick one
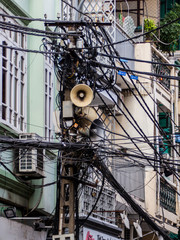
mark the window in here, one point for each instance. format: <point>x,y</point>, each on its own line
<point>166,6</point>
<point>48,101</point>
<point>4,80</point>
<point>165,143</point>
<point>13,84</point>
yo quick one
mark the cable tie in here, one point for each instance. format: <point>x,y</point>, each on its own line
<point>123,60</point>
<point>122,73</point>
<point>133,77</point>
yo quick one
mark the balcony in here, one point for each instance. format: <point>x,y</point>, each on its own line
<point>161,70</point>
<point>167,197</point>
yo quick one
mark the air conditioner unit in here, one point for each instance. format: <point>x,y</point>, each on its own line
<point>30,161</point>
<point>63,237</point>
<point>119,108</point>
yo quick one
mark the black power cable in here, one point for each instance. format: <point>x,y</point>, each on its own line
<point>122,192</point>
<point>108,39</point>
<point>151,116</point>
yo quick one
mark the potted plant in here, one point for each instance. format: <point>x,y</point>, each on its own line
<point>149,25</point>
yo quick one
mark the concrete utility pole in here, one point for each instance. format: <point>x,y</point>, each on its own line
<point>67,185</point>
<point>68,207</point>
<point>66,223</point>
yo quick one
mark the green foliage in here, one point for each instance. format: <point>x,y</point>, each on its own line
<point>149,25</point>
<point>171,33</point>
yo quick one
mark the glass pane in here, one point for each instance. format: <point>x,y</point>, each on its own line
<point>22,98</point>
<point>49,112</point>
<point>10,116</point>
<point>15,95</point>
<point>16,59</point>
<point>16,72</point>
<point>15,119</point>
<point>4,64</point>
<point>10,90</point>
<point>11,68</point>
<point>15,37</point>
<point>45,75</point>
<point>4,49</point>
<point>22,40</point>
<point>22,64</point>
<point>11,55</point>
<point>49,79</point>
<point>45,109</point>
<point>4,86</point>
<point>22,77</point>
<point>3,112</point>
<point>21,123</point>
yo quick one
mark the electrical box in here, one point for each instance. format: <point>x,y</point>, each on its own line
<point>68,110</point>
<point>63,237</point>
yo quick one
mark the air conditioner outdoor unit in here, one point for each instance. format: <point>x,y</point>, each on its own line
<point>30,161</point>
<point>63,237</point>
<point>118,110</point>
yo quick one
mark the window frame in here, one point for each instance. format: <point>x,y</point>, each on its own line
<point>48,97</point>
<point>13,117</point>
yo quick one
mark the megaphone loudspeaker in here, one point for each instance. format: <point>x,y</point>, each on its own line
<point>94,130</point>
<point>97,131</point>
<point>81,95</point>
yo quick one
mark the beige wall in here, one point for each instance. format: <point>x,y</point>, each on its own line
<point>143,51</point>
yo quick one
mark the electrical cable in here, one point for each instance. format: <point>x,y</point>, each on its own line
<point>105,171</point>
<point>139,60</point>
<point>38,202</point>
<point>135,144</point>
<point>32,31</point>
<point>125,40</point>
<point>122,102</point>
<point>97,64</point>
<point>134,86</point>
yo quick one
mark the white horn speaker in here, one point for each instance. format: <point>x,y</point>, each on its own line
<point>81,95</point>
<point>94,130</point>
<point>97,132</point>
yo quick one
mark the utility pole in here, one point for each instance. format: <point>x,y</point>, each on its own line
<point>66,223</point>
<point>77,83</point>
<point>82,95</point>
<point>67,190</point>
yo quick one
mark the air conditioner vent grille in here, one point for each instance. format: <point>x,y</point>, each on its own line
<point>30,163</point>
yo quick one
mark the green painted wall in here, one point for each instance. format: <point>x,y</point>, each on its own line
<point>23,4</point>
<point>43,198</point>
<point>35,112</point>
<point>35,108</point>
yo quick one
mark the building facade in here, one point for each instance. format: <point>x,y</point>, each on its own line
<point>140,114</point>
<point>28,89</point>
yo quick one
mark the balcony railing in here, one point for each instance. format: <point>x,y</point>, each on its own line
<point>161,70</point>
<point>167,197</point>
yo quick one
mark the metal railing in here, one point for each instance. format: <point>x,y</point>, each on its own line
<point>167,197</point>
<point>161,70</point>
